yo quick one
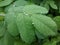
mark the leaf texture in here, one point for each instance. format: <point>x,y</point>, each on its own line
<point>45,25</point>
<point>5,2</point>
<point>25,28</point>
<point>35,9</point>
<point>2,28</point>
<point>11,24</point>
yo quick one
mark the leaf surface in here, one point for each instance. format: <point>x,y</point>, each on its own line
<point>45,25</point>
<point>2,28</point>
<point>5,2</point>
<point>25,28</point>
<point>35,9</point>
<point>11,23</point>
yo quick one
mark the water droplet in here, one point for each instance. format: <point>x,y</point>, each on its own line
<point>32,23</point>
<point>26,14</point>
<point>13,5</point>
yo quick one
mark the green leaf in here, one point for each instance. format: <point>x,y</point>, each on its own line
<point>45,4</point>
<point>1,18</point>
<point>17,3</point>
<point>50,43</point>
<point>15,10</point>
<point>45,25</point>
<point>53,41</point>
<point>52,4</point>
<point>59,7</point>
<point>20,42</point>
<point>1,9</point>
<point>1,41</point>
<point>34,9</point>
<point>2,28</point>
<point>8,39</point>
<point>0,0</point>
<point>20,3</point>
<point>2,14</point>
<point>18,9</point>
<point>25,28</point>
<point>50,15</point>
<point>5,2</point>
<point>11,23</point>
<point>39,35</point>
<point>57,20</point>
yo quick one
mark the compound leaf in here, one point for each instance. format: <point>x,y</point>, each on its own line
<point>45,25</point>
<point>25,28</point>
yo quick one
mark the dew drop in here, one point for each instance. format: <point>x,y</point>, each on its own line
<point>32,23</point>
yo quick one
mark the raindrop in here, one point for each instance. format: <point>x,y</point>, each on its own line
<point>32,23</point>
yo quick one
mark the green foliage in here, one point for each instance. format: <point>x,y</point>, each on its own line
<point>5,2</point>
<point>52,4</point>
<point>35,9</point>
<point>29,22</point>
<point>45,25</point>
<point>57,20</point>
<point>11,24</point>
<point>2,28</point>
<point>26,28</point>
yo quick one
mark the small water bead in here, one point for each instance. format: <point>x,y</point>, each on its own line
<point>32,23</point>
<point>26,14</point>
